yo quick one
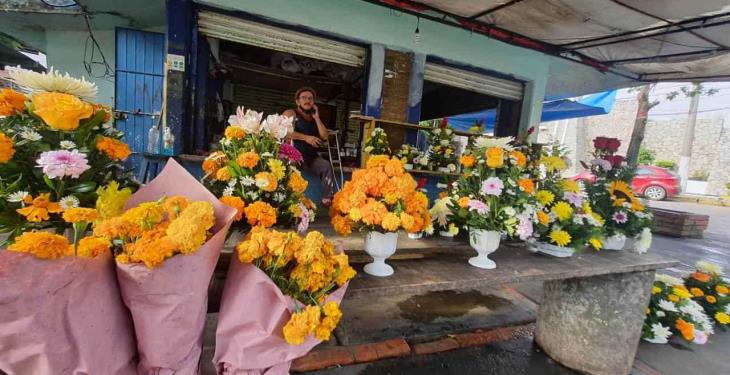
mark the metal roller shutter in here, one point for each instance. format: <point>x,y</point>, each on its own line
<point>464,79</point>
<point>248,32</point>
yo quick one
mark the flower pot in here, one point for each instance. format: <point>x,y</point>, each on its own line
<point>408,167</point>
<point>553,250</point>
<point>380,246</point>
<point>615,242</point>
<point>415,236</point>
<point>484,242</point>
<point>445,233</point>
<point>444,169</point>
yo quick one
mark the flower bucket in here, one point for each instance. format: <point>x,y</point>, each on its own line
<point>415,236</point>
<point>444,170</point>
<point>484,242</point>
<point>380,246</point>
<point>615,242</point>
<point>553,250</point>
<point>408,167</point>
<point>445,233</point>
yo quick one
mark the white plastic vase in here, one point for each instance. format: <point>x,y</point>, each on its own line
<point>380,246</point>
<point>553,250</point>
<point>615,242</point>
<point>484,242</point>
<point>408,167</point>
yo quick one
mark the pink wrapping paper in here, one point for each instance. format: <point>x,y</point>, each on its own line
<point>249,338</point>
<point>63,316</point>
<point>168,303</point>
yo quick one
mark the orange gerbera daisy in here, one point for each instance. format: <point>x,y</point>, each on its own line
<point>39,209</point>
<point>526,185</point>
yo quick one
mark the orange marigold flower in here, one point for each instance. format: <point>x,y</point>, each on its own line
<point>117,227</point>
<point>39,209</point>
<point>701,276</point>
<point>543,218</point>
<point>260,213</point>
<point>467,161</point>
<point>711,299</point>
<point>7,150</point>
<point>213,162</point>
<point>526,185</point>
<point>91,247</point>
<point>113,148</point>
<point>373,212</point>
<point>495,157</point>
<point>106,109</point>
<point>235,202</point>
<point>61,111</point>
<point>394,167</point>
<point>234,132</point>
<point>697,292</point>
<point>342,225</point>
<point>686,329</point>
<point>519,157</point>
<point>297,183</point>
<point>174,205</point>
<point>11,102</point>
<point>152,248</point>
<point>80,215</point>
<point>377,161</point>
<point>266,181</point>
<point>463,202</point>
<point>408,222</point>
<point>223,174</point>
<point>248,159</point>
<point>41,245</point>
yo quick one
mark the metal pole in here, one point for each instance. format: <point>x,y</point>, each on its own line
<point>689,136</point>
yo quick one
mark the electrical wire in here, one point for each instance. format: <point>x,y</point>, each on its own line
<point>91,60</point>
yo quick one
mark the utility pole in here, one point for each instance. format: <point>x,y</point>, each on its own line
<point>689,136</point>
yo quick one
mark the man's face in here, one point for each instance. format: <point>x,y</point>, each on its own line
<point>305,100</point>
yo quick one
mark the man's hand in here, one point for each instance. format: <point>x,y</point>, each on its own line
<point>313,141</point>
<point>315,114</point>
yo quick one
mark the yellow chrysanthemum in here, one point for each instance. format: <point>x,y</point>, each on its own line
<point>562,210</point>
<point>110,200</point>
<point>560,237</point>
<point>682,293</point>
<point>553,163</point>
<point>596,243</point>
<point>277,168</point>
<point>41,245</point>
<point>656,290</point>
<point>545,197</point>
<point>189,230</point>
<point>570,186</point>
<point>722,318</point>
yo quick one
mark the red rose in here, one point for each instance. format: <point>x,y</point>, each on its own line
<point>613,144</point>
<point>600,143</point>
<point>444,122</point>
<point>421,183</point>
<point>615,160</point>
<point>530,130</point>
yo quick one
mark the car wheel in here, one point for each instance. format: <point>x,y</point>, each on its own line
<point>655,193</point>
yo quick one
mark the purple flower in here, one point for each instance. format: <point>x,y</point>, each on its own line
<point>573,198</point>
<point>492,186</point>
<point>620,217</point>
<point>480,207</point>
<point>524,227</point>
<point>304,220</point>
<point>603,164</point>
<point>290,153</point>
<point>58,164</point>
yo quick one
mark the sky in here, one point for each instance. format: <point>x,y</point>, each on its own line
<point>715,106</point>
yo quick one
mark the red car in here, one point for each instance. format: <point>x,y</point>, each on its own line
<point>652,182</point>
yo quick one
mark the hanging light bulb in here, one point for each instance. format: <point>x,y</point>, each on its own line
<point>417,35</point>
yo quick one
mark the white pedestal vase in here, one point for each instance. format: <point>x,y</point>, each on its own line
<point>484,242</point>
<point>415,236</point>
<point>380,246</point>
<point>553,250</point>
<point>615,242</point>
<point>408,167</point>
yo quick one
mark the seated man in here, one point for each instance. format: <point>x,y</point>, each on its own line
<point>309,135</point>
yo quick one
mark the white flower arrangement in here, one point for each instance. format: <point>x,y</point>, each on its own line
<point>52,81</point>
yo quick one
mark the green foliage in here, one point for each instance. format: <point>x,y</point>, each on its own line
<point>669,164</point>
<point>700,176</point>
<point>646,156</point>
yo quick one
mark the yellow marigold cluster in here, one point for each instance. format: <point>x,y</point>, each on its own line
<point>42,245</point>
<point>80,215</point>
<point>113,148</point>
<point>311,264</point>
<point>296,182</point>
<point>380,197</point>
<point>155,231</point>
<point>11,102</point>
<point>7,149</point>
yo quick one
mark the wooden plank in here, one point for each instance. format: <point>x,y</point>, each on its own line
<point>407,125</point>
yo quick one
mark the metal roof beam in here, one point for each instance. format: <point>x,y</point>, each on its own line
<point>494,9</point>
<point>650,59</point>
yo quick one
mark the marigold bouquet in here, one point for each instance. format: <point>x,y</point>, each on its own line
<point>256,173</point>
<point>672,311</point>
<point>441,149</point>
<point>57,149</point>
<point>494,191</point>
<point>382,197</point>
<point>612,197</point>
<point>710,289</point>
<point>377,144</point>
<point>280,299</point>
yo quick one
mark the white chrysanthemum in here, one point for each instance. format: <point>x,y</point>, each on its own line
<point>279,197</point>
<point>660,332</point>
<point>227,192</point>
<point>667,305</point>
<point>16,197</point>
<point>247,181</point>
<point>52,81</point>
<point>708,267</point>
<point>669,280</point>
<point>642,244</point>
<point>30,135</point>
<point>67,145</point>
<point>69,201</point>
<point>660,314</point>
<point>485,142</point>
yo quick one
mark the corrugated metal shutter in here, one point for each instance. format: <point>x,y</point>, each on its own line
<point>248,32</point>
<point>464,79</point>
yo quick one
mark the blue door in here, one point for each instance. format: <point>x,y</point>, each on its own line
<point>138,87</point>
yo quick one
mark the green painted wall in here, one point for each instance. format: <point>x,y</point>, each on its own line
<point>366,22</point>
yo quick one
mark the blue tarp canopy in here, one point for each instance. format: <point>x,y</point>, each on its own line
<point>592,105</point>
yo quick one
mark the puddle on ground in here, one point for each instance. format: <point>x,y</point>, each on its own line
<point>426,308</point>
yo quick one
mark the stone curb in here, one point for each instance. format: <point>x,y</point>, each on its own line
<point>719,201</point>
<point>348,355</point>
